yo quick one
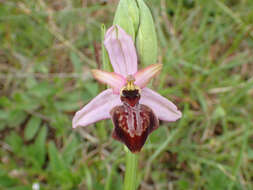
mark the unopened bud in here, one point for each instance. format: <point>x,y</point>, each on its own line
<point>146,41</point>
<point>127,16</point>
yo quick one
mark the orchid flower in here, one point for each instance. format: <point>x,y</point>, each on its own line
<point>133,108</point>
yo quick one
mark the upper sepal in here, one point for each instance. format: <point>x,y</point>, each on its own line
<point>121,50</point>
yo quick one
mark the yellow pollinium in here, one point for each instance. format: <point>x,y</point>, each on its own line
<point>130,84</point>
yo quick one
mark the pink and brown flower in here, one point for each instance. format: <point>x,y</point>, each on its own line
<point>133,108</point>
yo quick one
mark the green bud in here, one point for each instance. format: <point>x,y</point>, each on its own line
<point>127,16</point>
<point>105,58</point>
<point>146,41</point>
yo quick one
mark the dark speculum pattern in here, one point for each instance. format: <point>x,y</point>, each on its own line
<point>133,125</point>
<point>131,97</point>
<point>130,93</point>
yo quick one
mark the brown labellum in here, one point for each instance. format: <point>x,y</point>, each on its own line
<point>133,122</point>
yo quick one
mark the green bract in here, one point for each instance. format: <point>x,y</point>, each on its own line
<point>136,19</point>
<point>127,16</point>
<point>146,41</point>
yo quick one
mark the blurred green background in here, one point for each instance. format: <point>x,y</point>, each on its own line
<point>47,49</point>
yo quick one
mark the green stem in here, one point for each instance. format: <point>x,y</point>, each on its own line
<point>131,171</point>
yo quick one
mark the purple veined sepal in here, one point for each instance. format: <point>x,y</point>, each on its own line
<point>133,125</point>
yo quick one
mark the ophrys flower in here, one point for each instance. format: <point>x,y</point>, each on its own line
<point>133,108</point>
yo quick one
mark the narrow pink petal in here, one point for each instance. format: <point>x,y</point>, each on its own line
<point>97,109</point>
<point>114,80</point>
<point>143,76</point>
<point>121,50</point>
<point>162,107</point>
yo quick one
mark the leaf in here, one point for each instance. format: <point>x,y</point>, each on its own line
<point>216,180</point>
<point>67,105</point>
<point>92,88</point>
<point>22,101</point>
<point>250,153</point>
<point>16,117</point>
<point>42,90</point>
<point>2,125</point>
<point>4,114</point>
<point>36,153</point>
<point>60,122</point>
<point>39,146</point>
<point>70,150</point>
<point>20,188</point>
<point>183,184</point>
<point>4,101</point>
<point>6,181</point>
<point>32,127</point>
<point>76,62</point>
<point>56,163</point>
<point>15,142</point>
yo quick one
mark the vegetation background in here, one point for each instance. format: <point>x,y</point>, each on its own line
<point>47,49</point>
